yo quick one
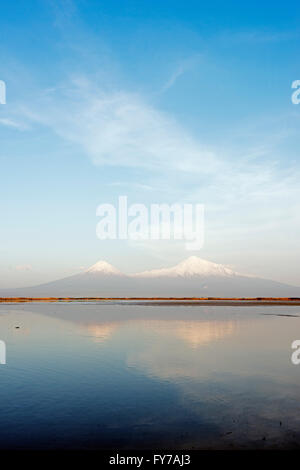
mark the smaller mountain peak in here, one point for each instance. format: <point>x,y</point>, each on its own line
<point>103,267</point>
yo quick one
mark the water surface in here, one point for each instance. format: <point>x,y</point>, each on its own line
<point>129,376</point>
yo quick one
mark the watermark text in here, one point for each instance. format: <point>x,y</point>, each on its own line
<point>296,94</point>
<point>2,92</point>
<point>2,352</point>
<point>154,222</point>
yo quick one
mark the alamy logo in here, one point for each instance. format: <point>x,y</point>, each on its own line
<point>156,222</point>
<point>2,352</point>
<point>295,358</point>
<point>2,92</point>
<point>296,94</point>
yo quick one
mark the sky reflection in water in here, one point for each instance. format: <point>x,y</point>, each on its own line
<point>131,376</point>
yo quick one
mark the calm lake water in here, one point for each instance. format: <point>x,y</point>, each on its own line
<point>104,375</point>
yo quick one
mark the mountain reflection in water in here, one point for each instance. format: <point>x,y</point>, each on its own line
<point>129,376</point>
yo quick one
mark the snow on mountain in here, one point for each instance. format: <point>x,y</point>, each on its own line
<point>192,266</point>
<point>192,277</point>
<point>102,267</point>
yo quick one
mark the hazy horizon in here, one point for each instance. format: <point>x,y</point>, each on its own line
<point>193,277</point>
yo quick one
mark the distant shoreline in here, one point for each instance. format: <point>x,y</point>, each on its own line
<point>221,301</point>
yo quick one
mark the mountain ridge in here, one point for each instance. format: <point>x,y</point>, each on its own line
<point>192,266</point>
<point>192,277</point>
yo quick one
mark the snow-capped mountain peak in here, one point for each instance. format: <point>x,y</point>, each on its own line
<point>102,267</point>
<point>192,266</point>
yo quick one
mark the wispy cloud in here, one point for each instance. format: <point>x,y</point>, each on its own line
<point>122,129</point>
<point>249,190</point>
<point>119,129</point>
<point>11,123</point>
<point>178,72</point>
<point>183,67</point>
<point>144,187</point>
<point>259,36</point>
<point>24,267</point>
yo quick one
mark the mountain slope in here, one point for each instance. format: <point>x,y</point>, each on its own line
<point>193,277</point>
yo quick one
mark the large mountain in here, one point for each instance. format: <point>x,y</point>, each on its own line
<point>193,277</point>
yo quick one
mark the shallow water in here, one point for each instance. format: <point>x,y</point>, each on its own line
<point>113,375</point>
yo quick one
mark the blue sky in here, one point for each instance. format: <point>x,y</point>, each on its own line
<point>163,102</point>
